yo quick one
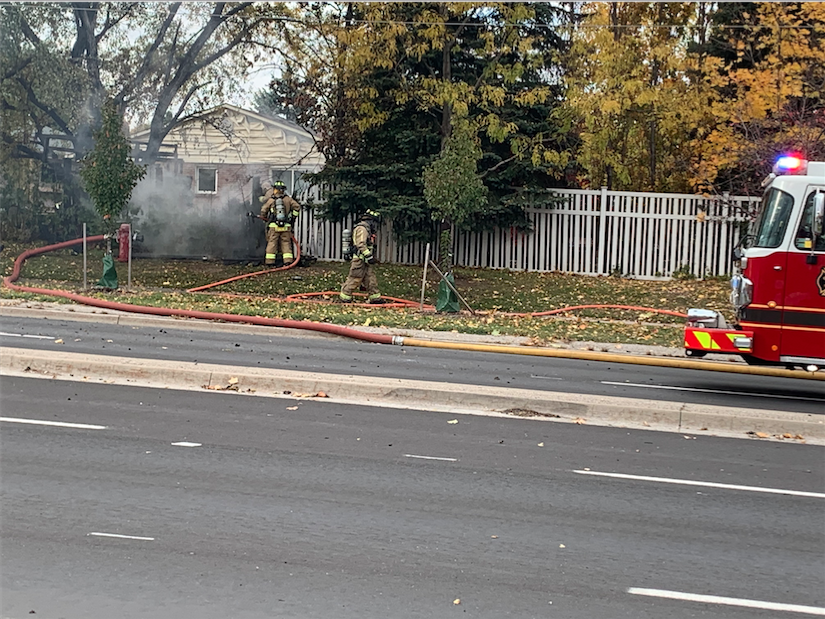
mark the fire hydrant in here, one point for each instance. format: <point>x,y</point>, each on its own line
<point>124,234</point>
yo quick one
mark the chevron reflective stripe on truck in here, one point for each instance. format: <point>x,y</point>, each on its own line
<point>715,340</point>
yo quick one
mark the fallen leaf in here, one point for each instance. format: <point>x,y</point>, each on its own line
<point>457,601</point>
<point>541,444</point>
<point>58,341</point>
<point>579,421</point>
<point>453,421</point>
<point>292,408</point>
<point>494,536</point>
<point>233,380</point>
<point>562,546</point>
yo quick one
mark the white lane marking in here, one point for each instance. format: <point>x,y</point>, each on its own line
<point>187,444</point>
<point>144,539</point>
<point>37,337</point>
<point>715,599</point>
<point>545,377</point>
<point>706,484</point>
<point>59,424</point>
<point>755,395</point>
<point>431,458</point>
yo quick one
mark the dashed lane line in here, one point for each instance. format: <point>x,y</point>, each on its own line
<point>117,535</point>
<point>705,484</point>
<point>59,424</point>
<point>716,599</point>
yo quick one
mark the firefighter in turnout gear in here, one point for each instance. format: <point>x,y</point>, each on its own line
<point>279,211</point>
<point>361,270</point>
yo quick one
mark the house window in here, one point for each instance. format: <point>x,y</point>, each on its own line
<point>207,180</point>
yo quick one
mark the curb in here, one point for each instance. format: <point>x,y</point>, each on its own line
<point>415,394</point>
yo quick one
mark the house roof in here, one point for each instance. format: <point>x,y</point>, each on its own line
<point>229,134</point>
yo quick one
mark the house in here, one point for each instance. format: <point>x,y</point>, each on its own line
<point>196,195</point>
<point>227,151</point>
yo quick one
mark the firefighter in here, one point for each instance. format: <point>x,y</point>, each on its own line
<point>361,271</point>
<point>280,212</point>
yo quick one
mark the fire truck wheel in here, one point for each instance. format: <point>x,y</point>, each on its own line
<point>695,353</point>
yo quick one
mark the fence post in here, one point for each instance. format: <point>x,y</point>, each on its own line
<point>601,253</point>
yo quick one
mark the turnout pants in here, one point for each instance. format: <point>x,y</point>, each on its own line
<point>279,241</point>
<point>360,273</point>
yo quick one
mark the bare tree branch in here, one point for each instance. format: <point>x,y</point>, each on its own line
<point>50,112</point>
<point>151,53</point>
<point>15,70</point>
<point>112,22</point>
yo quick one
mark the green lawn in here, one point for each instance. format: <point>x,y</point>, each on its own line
<point>502,299</point>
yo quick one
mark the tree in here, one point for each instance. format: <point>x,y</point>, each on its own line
<point>158,63</point>
<point>109,174</point>
<point>769,94</point>
<point>630,97</point>
<point>408,70</point>
<point>452,186</point>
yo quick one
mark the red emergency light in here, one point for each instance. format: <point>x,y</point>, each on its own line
<point>790,164</point>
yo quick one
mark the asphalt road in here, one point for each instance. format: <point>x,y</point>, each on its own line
<point>322,511</point>
<point>250,346</point>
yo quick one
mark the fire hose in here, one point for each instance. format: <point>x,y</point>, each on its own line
<point>245,275</point>
<point>9,280</point>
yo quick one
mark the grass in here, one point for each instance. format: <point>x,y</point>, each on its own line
<point>503,300</point>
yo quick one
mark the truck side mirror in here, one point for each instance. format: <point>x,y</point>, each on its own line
<point>819,214</point>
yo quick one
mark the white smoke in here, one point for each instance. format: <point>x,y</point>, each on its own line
<point>174,223</point>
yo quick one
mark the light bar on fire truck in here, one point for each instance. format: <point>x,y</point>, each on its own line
<point>790,165</point>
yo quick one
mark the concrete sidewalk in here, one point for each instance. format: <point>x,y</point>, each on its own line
<point>389,393</point>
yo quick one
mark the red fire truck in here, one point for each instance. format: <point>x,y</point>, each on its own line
<point>778,293</point>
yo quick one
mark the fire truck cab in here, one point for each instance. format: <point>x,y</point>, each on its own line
<point>778,291</point>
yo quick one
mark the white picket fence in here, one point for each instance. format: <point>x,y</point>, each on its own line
<point>589,232</point>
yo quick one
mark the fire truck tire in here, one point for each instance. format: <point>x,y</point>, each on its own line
<point>690,352</point>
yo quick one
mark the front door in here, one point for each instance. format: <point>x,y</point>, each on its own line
<point>803,316</point>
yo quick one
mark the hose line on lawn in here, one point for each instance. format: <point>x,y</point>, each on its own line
<point>244,276</point>
<point>690,364</point>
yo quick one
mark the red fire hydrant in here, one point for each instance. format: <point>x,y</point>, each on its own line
<point>124,234</point>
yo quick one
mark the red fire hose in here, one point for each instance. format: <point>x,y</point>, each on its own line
<point>163,311</point>
<point>256,320</point>
<point>237,277</point>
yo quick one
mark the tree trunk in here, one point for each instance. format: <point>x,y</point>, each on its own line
<point>446,77</point>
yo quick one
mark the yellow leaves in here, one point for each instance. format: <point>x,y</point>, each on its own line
<point>610,106</point>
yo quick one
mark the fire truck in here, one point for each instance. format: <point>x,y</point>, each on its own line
<point>778,288</point>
